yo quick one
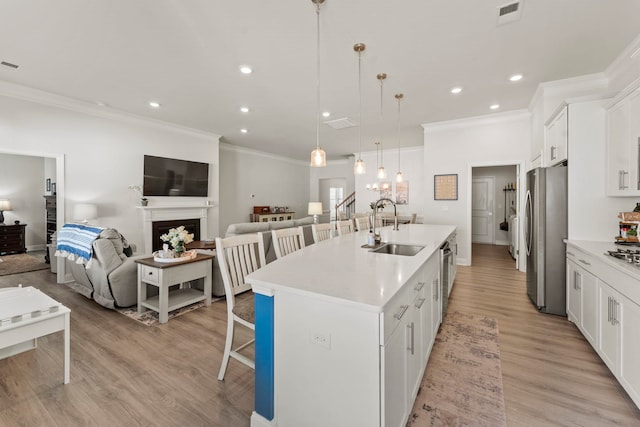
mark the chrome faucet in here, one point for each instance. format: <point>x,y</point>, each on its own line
<point>395,214</point>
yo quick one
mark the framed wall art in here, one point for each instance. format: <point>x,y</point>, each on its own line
<point>445,187</point>
<point>402,193</point>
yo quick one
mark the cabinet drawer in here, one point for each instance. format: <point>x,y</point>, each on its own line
<point>150,274</point>
<point>399,306</point>
<point>580,258</point>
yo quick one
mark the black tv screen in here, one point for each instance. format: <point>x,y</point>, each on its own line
<point>174,177</point>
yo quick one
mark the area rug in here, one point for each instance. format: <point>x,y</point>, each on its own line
<point>21,263</point>
<point>150,317</point>
<point>462,385</point>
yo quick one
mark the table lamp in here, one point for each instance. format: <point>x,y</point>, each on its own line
<point>315,209</point>
<point>84,212</point>
<point>5,205</point>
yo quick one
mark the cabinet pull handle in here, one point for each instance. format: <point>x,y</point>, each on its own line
<point>616,305</point>
<point>419,286</point>
<point>609,309</point>
<point>399,314</point>
<point>584,262</point>
<point>420,302</point>
<point>621,174</point>
<point>411,338</point>
<point>553,152</point>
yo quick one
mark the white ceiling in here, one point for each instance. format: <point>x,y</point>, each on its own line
<point>185,54</point>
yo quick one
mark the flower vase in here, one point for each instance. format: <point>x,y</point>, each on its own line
<point>144,202</point>
<point>178,250</point>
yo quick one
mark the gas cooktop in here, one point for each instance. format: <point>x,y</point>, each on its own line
<point>632,256</point>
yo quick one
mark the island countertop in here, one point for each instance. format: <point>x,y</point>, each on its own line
<point>342,271</point>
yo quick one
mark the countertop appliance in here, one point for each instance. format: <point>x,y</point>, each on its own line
<point>632,256</point>
<point>545,227</point>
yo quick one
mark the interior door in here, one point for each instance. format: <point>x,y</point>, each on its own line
<point>482,218</point>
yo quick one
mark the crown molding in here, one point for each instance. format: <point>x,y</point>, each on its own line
<point>626,59</point>
<point>586,83</point>
<point>225,146</point>
<point>489,119</point>
<point>38,96</point>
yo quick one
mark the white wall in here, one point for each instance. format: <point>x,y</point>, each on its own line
<point>503,175</point>
<point>455,147</point>
<point>22,183</point>
<point>251,178</point>
<point>103,154</point>
<point>411,164</point>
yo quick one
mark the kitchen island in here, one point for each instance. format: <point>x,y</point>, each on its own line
<point>343,334</point>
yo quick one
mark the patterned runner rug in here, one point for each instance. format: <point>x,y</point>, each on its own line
<point>150,317</point>
<point>462,385</point>
<point>21,263</point>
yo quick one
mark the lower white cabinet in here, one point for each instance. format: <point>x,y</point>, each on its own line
<point>609,320</point>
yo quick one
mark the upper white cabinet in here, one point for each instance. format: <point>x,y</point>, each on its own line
<point>556,138</point>
<point>623,144</point>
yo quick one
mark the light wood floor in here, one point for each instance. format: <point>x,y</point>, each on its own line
<point>127,374</point>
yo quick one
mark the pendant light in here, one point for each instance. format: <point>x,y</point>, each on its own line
<point>359,167</point>
<point>399,176</point>
<point>318,156</point>
<point>382,173</point>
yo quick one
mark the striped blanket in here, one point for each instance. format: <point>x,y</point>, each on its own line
<point>75,242</point>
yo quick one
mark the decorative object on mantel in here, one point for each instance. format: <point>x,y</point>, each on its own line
<point>177,238</point>
<point>143,200</point>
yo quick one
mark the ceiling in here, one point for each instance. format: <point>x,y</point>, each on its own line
<point>186,56</point>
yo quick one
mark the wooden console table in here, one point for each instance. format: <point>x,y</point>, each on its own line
<point>163,275</point>
<point>27,314</point>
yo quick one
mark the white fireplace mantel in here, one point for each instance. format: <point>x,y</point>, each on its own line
<point>151,214</point>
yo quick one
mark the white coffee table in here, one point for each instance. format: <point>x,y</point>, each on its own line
<point>27,314</point>
<point>164,275</point>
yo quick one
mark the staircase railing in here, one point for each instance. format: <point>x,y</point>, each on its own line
<point>346,208</point>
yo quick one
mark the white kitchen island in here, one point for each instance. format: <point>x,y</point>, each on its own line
<point>343,334</point>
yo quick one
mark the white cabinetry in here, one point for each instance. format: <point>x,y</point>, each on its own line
<point>600,301</point>
<point>623,149</point>
<point>556,138</point>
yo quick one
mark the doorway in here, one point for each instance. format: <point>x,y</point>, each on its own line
<point>494,202</point>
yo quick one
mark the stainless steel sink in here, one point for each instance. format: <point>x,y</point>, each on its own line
<point>397,249</point>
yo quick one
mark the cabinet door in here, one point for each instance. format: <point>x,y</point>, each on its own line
<point>608,329</point>
<point>629,315</point>
<point>634,141</point>
<point>589,308</point>
<point>574,297</point>
<point>618,148</point>
<point>415,359</point>
<point>556,139</point>
<point>395,377</point>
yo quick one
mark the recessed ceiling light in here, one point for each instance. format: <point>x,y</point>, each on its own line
<point>154,104</point>
<point>515,77</point>
<point>244,109</point>
<point>245,69</point>
<point>326,114</point>
<point>101,104</point>
<point>495,106</point>
<point>456,90</point>
<point>244,130</point>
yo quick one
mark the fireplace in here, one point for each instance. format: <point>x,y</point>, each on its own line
<point>157,220</point>
<point>159,228</point>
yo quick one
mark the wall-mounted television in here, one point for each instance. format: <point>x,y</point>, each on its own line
<point>175,177</point>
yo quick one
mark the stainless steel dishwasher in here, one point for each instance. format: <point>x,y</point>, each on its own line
<point>446,258</point>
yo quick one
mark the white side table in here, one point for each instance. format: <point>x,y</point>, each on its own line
<point>163,275</point>
<point>25,315</point>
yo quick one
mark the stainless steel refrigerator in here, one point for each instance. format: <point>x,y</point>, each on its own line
<point>545,228</point>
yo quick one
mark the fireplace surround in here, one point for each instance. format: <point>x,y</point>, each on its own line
<point>157,218</point>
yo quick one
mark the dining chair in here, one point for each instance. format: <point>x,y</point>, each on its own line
<point>287,240</point>
<point>321,232</point>
<point>344,227</point>
<point>362,223</point>
<point>237,257</point>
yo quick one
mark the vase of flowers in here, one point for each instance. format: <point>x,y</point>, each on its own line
<point>177,238</point>
<point>143,200</point>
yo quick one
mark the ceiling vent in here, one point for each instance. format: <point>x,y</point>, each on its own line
<point>509,12</point>
<point>342,123</point>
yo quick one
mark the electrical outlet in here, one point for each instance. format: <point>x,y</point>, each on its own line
<point>322,339</point>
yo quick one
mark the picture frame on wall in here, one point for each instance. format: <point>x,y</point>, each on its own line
<point>402,193</point>
<point>445,187</point>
